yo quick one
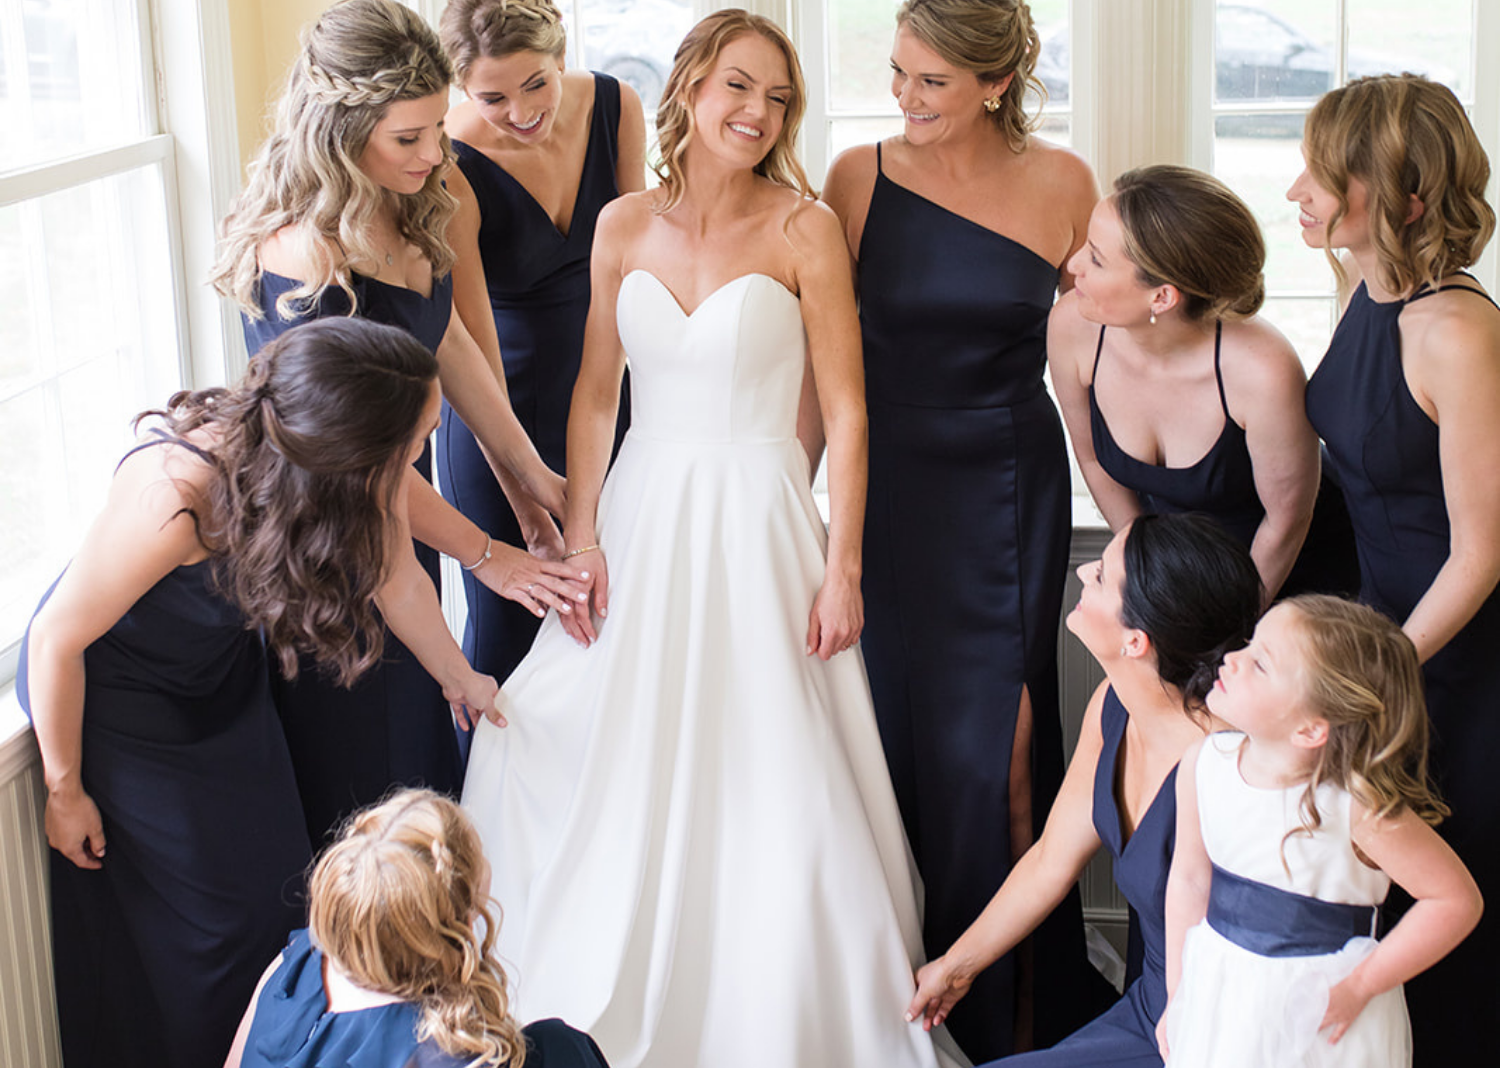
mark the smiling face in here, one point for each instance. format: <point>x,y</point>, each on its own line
<point>1318,204</point>
<point>1095,620</point>
<point>1108,284</point>
<point>1261,689</point>
<point>517,94</point>
<point>740,108</point>
<point>406,145</point>
<point>937,99</point>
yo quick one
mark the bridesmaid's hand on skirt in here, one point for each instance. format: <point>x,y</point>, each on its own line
<point>473,696</point>
<point>594,579</point>
<point>838,616</point>
<point>940,986</point>
<point>74,828</point>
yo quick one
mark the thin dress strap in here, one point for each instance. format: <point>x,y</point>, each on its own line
<point>1427,291</point>
<point>1218,370</point>
<point>163,438</point>
<point>879,169</point>
<point>1099,348</point>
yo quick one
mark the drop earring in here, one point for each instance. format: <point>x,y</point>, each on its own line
<point>1153,317</point>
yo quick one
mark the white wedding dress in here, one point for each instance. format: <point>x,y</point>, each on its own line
<point>691,826</point>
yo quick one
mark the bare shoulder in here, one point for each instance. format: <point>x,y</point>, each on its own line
<point>1069,334</point>
<point>1453,337</point>
<point>294,253</point>
<point>1259,361</point>
<point>812,221</point>
<point>851,177</point>
<point>1065,171</point>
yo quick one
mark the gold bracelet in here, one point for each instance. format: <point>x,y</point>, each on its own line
<point>489,544</point>
<point>579,552</point>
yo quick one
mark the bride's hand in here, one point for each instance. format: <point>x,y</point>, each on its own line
<point>536,585</point>
<point>838,616</point>
<point>594,579</point>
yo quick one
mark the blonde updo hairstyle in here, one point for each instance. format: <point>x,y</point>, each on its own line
<point>991,38</point>
<point>489,29</point>
<point>1362,676</point>
<point>1402,136</point>
<point>359,58</point>
<point>1187,229</point>
<point>694,61</point>
<point>393,906</point>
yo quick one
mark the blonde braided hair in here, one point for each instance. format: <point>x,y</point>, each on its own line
<point>359,58</point>
<point>490,29</point>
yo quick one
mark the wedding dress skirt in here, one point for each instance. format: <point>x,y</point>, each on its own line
<point>691,826</point>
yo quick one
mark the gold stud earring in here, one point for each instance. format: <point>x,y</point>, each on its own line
<point>992,104</point>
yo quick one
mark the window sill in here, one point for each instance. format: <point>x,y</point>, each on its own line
<point>17,743</point>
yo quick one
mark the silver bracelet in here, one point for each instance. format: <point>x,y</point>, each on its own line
<point>489,544</point>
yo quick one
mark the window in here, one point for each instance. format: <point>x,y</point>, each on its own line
<point>89,279</point>
<point>1271,60</point>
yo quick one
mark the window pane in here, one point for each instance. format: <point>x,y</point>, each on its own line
<point>1275,50</point>
<point>70,77</point>
<point>1260,169</point>
<point>86,303</point>
<point>634,40</point>
<point>1384,37</point>
<point>1307,324</point>
<point>859,51</point>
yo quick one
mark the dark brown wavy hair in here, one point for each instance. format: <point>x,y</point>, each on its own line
<point>309,449</point>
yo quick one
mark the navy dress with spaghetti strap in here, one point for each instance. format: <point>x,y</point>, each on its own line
<point>1221,485</point>
<point>392,727</point>
<point>965,554</point>
<point>156,954</point>
<point>1386,451</point>
<point>293,1028</point>
<point>1125,1036</point>
<point>538,280</point>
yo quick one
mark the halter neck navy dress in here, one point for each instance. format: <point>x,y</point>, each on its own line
<point>1125,1036</point>
<point>293,1028</point>
<point>156,954</point>
<point>392,727</point>
<point>967,530</point>
<point>538,279</point>
<point>1385,449</point>
<point>1221,485</point>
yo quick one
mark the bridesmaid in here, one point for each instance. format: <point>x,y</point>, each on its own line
<point>540,150</point>
<point>1177,396</point>
<point>1406,399</point>
<point>276,508</point>
<point>345,214</point>
<point>1171,596</point>
<point>961,228</point>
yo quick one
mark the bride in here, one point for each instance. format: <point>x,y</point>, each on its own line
<point>689,816</point>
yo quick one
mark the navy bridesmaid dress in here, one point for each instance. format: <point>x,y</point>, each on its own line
<point>538,279</point>
<point>156,953</point>
<point>965,554</point>
<point>1221,485</point>
<point>1385,450</point>
<point>393,727</point>
<point>1125,1036</point>
<point>293,1028</point>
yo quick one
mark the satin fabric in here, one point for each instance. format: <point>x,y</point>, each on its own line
<point>690,823</point>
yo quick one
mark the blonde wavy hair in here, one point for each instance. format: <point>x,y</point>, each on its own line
<point>393,906</point>
<point>1403,135</point>
<point>693,62</point>
<point>991,38</point>
<point>358,59</point>
<point>1361,675</point>
<point>1187,229</point>
<point>476,29</point>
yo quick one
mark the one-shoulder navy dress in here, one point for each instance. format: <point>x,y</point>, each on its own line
<point>1385,448</point>
<point>1221,485</point>
<point>1125,1036</point>
<point>538,279</point>
<point>293,1028</point>
<point>392,727</point>
<point>965,554</point>
<point>156,954</point>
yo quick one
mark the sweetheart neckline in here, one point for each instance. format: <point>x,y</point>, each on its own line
<point>688,315</point>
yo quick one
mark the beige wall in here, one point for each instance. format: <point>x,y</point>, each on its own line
<point>263,36</point>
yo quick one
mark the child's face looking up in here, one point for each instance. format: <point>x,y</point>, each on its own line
<point>1262,689</point>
